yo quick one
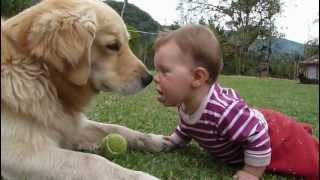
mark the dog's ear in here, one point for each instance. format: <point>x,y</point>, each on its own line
<point>64,41</point>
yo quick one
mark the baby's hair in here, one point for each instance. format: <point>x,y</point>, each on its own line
<point>200,43</point>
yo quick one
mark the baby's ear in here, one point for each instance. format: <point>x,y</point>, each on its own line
<point>64,40</point>
<point>200,76</point>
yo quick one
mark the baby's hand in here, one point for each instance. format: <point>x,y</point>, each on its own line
<point>243,175</point>
<point>174,145</point>
<point>168,138</point>
<point>158,143</point>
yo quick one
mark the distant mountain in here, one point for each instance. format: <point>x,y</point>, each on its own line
<point>136,17</point>
<point>280,47</point>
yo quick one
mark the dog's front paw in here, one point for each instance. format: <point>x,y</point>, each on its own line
<point>155,143</point>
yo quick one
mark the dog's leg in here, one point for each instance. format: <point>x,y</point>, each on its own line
<point>52,163</point>
<point>91,133</point>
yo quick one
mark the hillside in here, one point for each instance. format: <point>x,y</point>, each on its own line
<point>136,17</point>
<point>280,47</point>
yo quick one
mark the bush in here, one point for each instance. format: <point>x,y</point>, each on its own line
<point>13,7</point>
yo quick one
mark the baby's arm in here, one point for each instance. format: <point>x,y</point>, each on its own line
<point>252,133</point>
<point>179,138</point>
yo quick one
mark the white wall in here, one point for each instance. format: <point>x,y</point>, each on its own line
<point>312,72</point>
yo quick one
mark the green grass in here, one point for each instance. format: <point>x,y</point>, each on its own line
<point>142,112</point>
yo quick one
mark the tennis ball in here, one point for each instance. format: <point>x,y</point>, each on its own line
<point>113,145</point>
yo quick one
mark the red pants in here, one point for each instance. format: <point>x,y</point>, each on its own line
<point>294,150</point>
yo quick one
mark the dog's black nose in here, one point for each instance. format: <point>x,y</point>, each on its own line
<point>147,80</point>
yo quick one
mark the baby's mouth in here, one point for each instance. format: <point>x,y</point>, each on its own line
<point>159,92</point>
<point>161,97</point>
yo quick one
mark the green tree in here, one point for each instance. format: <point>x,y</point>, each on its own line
<point>244,19</point>
<point>135,39</point>
<point>269,30</point>
<point>228,49</point>
<point>142,28</point>
<point>12,7</point>
<point>311,48</point>
<point>191,12</point>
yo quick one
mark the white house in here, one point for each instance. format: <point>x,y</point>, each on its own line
<point>309,70</point>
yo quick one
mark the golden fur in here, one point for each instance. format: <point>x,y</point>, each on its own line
<point>55,57</point>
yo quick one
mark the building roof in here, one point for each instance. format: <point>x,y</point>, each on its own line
<point>311,60</point>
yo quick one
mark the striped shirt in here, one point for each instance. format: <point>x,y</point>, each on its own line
<point>226,128</point>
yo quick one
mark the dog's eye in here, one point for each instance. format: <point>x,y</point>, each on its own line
<point>113,46</point>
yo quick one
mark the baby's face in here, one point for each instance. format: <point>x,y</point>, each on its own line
<point>174,74</point>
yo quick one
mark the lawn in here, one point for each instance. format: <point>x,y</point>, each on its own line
<point>142,112</point>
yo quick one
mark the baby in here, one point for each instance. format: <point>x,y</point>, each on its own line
<point>188,62</point>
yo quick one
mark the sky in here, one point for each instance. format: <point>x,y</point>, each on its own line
<point>295,22</point>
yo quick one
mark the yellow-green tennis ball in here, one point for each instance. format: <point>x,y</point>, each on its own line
<point>113,145</point>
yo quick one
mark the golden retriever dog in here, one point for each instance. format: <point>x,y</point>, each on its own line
<point>55,57</point>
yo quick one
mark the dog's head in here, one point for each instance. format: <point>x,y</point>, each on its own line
<point>85,41</point>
